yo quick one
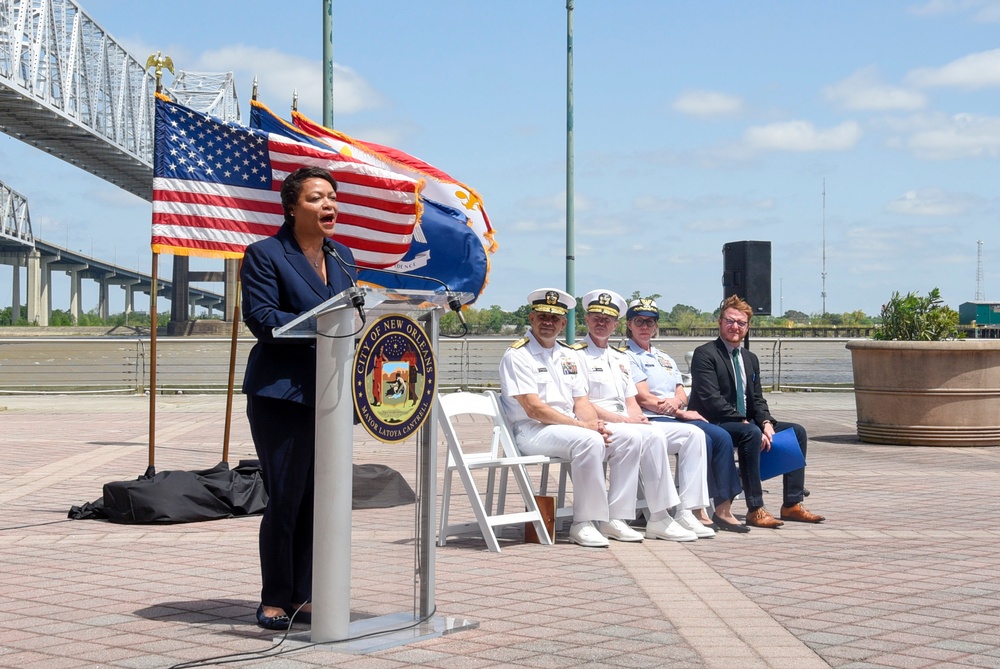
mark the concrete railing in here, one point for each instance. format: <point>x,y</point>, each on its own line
<point>122,364</point>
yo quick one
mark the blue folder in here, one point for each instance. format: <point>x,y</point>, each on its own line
<point>785,455</point>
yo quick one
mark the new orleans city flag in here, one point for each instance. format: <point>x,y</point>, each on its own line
<point>453,238</point>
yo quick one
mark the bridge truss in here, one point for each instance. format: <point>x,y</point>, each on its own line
<point>16,222</point>
<point>64,82</point>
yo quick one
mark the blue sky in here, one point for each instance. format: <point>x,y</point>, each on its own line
<point>696,124</point>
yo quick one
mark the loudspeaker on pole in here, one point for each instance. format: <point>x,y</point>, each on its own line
<point>747,273</point>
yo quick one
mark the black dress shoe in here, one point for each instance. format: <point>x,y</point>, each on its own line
<point>281,622</point>
<point>729,527</point>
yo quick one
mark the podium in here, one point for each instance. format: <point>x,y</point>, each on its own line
<point>334,326</point>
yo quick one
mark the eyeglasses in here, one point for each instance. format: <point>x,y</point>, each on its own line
<point>731,322</point>
<point>644,322</point>
<point>601,318</point>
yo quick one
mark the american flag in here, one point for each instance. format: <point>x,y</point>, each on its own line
<point>216,189</point>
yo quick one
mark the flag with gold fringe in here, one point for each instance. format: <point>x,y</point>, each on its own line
<point>453,238</point>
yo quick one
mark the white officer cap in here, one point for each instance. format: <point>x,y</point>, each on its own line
<point>603,301</point>
<point>551,301</point>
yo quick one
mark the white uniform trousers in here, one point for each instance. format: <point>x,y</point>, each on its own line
<point>585,449</point>
<point>624,455</point>
<point>654,470</point>
<point>688,443</point>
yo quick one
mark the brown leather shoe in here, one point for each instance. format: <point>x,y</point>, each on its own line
<point>800,514</point>
<point>761,518</point>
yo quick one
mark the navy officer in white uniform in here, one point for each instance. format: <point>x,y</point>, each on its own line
<point>544,397</point>
<point>613,393</point>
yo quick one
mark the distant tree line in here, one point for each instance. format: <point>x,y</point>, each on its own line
<point>60,318</point>
<point>681,318</point>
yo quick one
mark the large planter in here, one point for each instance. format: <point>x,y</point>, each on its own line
<point>928,393</point>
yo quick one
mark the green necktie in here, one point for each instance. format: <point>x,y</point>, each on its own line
<point>741,400</point>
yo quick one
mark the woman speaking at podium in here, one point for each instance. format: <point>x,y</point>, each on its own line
<point>284,276</point>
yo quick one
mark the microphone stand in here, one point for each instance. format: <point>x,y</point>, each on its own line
<point>453,302</point>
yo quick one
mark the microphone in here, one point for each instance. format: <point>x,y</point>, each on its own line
<point>453,302</point>
<point>357,296</point>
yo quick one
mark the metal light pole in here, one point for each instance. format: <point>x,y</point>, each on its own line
<point>570,258</point>
<point>328,63</point>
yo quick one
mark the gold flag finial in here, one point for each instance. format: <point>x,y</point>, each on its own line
<point>159,61</point>
<point>295,99</point>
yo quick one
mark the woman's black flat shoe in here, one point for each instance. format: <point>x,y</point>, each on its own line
<point>729,527</point>
<point>279,623</point>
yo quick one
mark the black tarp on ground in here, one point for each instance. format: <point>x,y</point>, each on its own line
<point>221,492</point>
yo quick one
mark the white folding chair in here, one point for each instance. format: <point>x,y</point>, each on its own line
<point>510,446</point>
<point>496,457</point>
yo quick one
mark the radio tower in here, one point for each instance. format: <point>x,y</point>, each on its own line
<point>980,292</point>
<point>824,248</point>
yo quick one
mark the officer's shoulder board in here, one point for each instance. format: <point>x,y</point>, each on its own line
<point>520,342</point>
<point>578,346</point>
<point>621,349</point>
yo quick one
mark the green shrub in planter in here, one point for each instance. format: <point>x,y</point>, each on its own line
<point>916,318</point>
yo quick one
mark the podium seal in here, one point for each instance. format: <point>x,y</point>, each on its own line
<point>395,377</point>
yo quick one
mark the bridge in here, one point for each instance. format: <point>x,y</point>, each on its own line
<point>69,89</point>
<point>40,259</point>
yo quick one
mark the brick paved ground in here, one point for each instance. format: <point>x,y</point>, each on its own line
<point>903,574</point>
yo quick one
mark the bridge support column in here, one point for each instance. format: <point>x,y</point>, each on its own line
<point>74,295</point>
<point>39,297</point>
<point>129,297</point>
<point>232,277</point>
<point>15,293</point>
<point>102,297</point>
<point>179,302</point>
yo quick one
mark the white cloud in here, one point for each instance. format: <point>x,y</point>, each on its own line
<point>932,202</point>
<point>279,74</point>
<point>708,103</point>
<point>977,70</point>
<point>718,224</point>
<point>862,91</point>
<point>802,136</point>
<point>659,205</point>
<point>119,198</point>
<point>557,202</point>
<point>958,136</point>
<point>983,11</point>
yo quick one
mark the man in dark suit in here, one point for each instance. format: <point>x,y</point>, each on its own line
<point>726,390</point>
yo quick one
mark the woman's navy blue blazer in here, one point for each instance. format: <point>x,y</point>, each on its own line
<point>279,283</point>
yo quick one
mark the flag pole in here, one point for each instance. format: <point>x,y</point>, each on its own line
<point>151,469</point>
<point>570,251</point>
<point>232,367</point>
<point>328,63</point>
<point>158,62</point>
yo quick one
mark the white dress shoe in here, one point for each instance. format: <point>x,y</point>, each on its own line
<point>587,535</point>
<point>618,530</point>
<point>687,520</point>
<point>670,530</point>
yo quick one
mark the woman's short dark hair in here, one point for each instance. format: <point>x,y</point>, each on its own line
<point>292,187</point>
